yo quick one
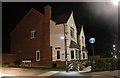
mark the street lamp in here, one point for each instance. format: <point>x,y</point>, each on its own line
<point>115,2</point>
<point>114,54</point>
<point>66,60</point>
<point>92,41</point>
<point>62,37</point>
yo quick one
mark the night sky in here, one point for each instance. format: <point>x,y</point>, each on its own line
<point>98,18</point>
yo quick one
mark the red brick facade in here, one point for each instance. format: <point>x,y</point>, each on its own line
<point>8,59</point>
<point>25,47</point>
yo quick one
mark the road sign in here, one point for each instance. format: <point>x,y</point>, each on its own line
<point>92,40</point>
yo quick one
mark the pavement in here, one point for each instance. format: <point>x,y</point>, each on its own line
<point>102,74</point>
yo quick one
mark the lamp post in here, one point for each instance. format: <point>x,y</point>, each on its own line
<point>65,40</point>
<point>92,41</point>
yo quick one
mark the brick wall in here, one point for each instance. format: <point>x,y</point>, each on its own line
<point>24,46</point>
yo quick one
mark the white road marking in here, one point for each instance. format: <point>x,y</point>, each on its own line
<point>49,73</point>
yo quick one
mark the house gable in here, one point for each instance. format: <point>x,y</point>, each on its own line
<point>82,38</point>
<point>30,15</point>
<point>71,29</point>
<point>37,24</point>
<point>71,21</point>
<point>82,32</point>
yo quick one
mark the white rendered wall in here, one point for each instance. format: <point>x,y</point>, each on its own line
<point>82,44</point>
<point>56,32</point>
<point>71,23</point>
<point>82,34</point>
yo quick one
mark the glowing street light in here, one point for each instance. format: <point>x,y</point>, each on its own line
<point>62,37</point>
<point>115,56</point>
<point>115,2</point>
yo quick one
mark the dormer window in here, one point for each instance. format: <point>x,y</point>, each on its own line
<point>72,32</point>
<point>33,34</point>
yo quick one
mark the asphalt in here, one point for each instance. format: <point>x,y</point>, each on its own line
<point>21,72</point>
<point>30,73</point>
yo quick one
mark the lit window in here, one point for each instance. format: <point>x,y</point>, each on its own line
<point>58,54</point>
<point>33,34</point>
<point>72,54</point>
<point>37,55</point>
<point>72,32</point>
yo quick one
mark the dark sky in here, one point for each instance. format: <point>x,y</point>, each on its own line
<point>98,18</point>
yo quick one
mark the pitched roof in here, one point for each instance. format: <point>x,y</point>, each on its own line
<point>74,45</point>
<point>63,18</point>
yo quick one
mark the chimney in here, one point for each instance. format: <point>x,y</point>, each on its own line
<point>47,11</point>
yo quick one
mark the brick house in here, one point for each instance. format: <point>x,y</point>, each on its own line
<point>39,40</point>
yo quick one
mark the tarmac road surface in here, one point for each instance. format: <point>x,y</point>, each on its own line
<point>30,73</point>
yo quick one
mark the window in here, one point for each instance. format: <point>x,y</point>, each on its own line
<point>58,54</point>
<point>76,54</point>
<point>37,55</point>
<point>72,54</point>
<point>33,34</point>
<point>83,55</point>
<point>72,32</point>
<point>79,55</point>
<point>82,40</point>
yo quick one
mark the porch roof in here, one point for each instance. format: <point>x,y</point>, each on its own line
<point>74,45</point>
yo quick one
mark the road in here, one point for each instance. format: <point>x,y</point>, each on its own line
<point>32,73</point>
<point>21,72</point>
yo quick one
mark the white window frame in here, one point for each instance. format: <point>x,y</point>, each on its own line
<point>37,51</point>
<point>33,34</point>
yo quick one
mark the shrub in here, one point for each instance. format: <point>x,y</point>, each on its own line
<point>106,65</point>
